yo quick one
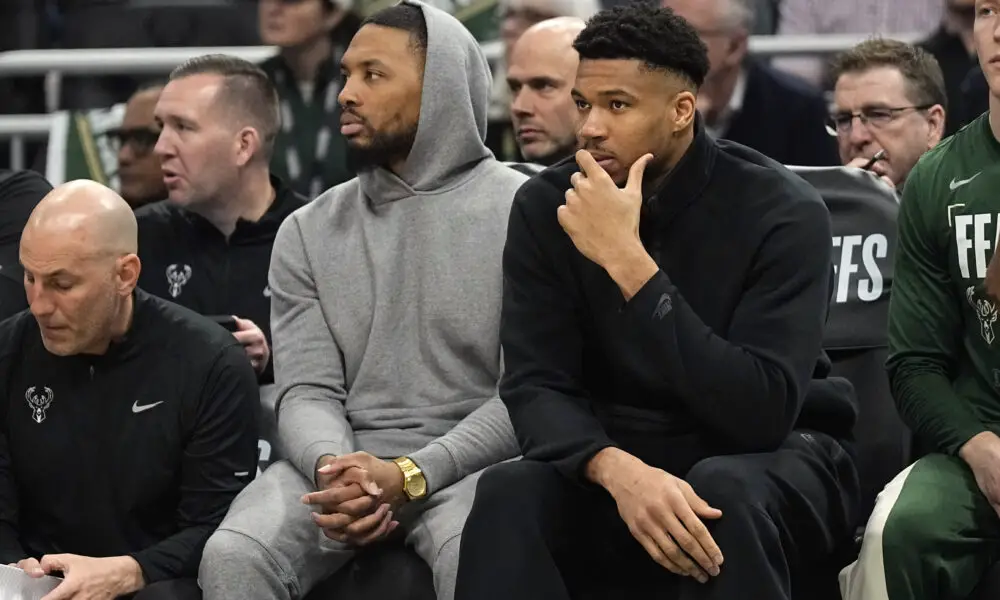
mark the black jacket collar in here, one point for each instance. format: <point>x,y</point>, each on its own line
<point>286,201</point>
<point>130,344</point>
<point>688,179</point>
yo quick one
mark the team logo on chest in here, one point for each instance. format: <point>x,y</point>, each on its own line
<point>39,401</point>
<point>986,311</point>
<point>177,276</point>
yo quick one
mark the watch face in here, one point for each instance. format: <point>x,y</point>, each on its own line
<point>416,486</point>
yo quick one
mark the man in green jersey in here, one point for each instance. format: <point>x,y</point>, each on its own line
<point>935,529</point>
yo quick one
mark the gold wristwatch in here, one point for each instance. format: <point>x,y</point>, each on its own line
<point>414,484</point>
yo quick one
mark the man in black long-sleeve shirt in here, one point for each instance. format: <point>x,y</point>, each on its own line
<point>208,246</point>
<point>661,341</point>
<point>127,423</point>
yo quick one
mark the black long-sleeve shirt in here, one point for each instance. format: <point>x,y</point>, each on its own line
<point>713,355</point>
<point>187,260</point>
<point>136,452</point>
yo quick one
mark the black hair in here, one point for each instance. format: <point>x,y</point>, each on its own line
<point>405,16</point>
<point>648,33</point>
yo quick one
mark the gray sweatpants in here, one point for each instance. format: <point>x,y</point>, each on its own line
<point>268,546</point>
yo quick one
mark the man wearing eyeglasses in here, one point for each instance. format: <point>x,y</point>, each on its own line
<point>889,98</point>
<point>138,167</point>
<point>935,533</point>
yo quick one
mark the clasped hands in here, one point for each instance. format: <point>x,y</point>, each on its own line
<point>357,498</point>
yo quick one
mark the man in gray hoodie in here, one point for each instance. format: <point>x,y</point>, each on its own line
<point>386,295</point>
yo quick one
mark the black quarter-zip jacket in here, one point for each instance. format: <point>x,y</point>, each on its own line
<point>138,451</point>
<point>187,260</point>
<point>714,355</point>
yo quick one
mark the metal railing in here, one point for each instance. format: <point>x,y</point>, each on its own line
<point>115,61</point>
<point>18,128</point>
<point>159,61</point>
<point>147,61</point>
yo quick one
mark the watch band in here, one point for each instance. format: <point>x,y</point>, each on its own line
<point>414,484</point>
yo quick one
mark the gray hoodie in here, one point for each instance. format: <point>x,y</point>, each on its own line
<point>386,291</point>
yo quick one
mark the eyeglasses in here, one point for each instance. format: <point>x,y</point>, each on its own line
<point>142,139</point>
<point>875,118</point>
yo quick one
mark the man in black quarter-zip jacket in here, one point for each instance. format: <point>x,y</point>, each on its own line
<point>208,246</point>
<point>127,423</point>
<point>662,348</point>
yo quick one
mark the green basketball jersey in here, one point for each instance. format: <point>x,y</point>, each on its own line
<point>944,351</point>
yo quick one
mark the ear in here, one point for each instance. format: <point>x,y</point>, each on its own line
<point>935,119</point>
<point>248,144</point>
<point>684,107</point>
<point>129,267</point>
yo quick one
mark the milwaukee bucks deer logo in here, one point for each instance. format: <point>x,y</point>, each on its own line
<point>39,402</point>
<point>986,311</point>
<point>177,276</point>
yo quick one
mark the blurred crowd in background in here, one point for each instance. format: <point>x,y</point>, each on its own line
<point>780,107</point>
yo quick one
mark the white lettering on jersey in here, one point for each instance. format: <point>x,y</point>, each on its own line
<point>963,243</point>
<point>981,243</point>
<point>974,244</point>
<point>871,284</point>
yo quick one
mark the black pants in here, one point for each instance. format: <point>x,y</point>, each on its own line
<point>533,534</point>
<point>172,589</point>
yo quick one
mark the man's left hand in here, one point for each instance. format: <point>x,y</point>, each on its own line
<point>601,218</point>
<point>349,526</point>
<point>254,342</point>
<point>86,578</point>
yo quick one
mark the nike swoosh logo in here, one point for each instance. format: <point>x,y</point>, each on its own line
<point>957,183</point>
<point>136,408</point>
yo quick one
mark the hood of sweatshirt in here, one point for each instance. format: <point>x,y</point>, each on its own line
<point>451,133</point>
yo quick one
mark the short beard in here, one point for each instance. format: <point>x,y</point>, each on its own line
<point>383,149</point>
